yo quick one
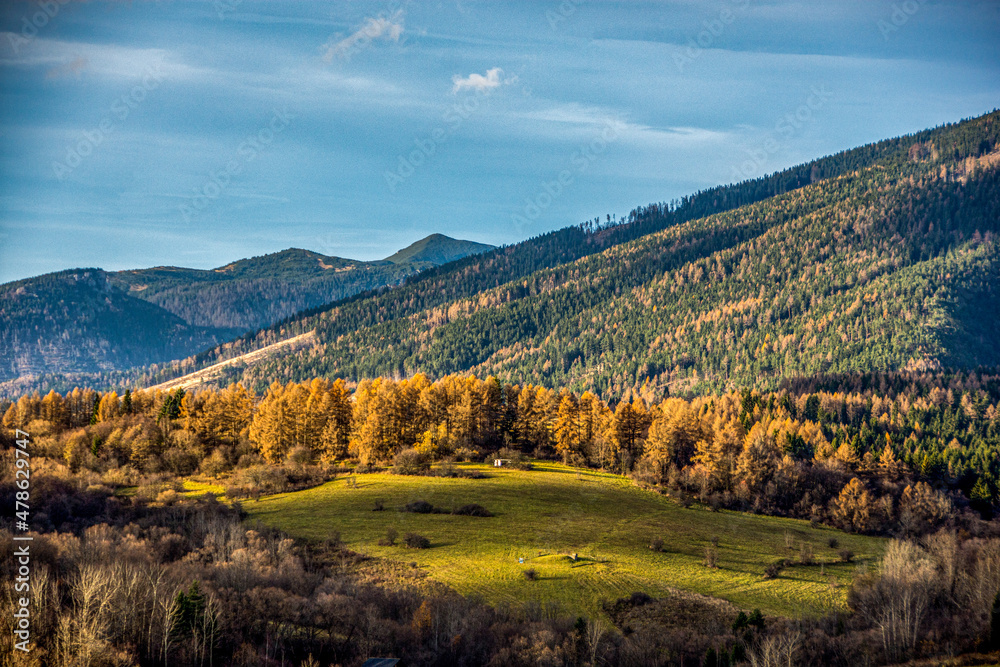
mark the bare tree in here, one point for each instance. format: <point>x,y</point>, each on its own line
<point>595,632</point>
<point>776,650</point>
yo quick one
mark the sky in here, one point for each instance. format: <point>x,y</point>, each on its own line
<point>137,134</point>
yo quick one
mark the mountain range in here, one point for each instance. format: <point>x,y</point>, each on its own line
<point>884,257</point>
<point>881,258</point>
<point>90,320</point>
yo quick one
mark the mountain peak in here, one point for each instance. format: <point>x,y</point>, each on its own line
<point>438,249</point>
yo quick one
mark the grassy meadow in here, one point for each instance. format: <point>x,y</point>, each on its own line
<point>548,514</point>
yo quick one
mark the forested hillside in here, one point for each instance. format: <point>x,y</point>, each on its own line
<point>89,320</point>
<point>881,258</point>
<point>77,321</point>
<point>254,293</point>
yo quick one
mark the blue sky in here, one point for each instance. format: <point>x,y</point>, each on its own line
<point>136,134</point>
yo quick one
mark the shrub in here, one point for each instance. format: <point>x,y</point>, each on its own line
<point>466,454</point>
<point>167,497</point>
<point>215,464</point>
<point>124,476</point>
<point>833,542</point>
<point>251,459</point>
<point>255,481</point>
<point>473,509</point>
<point>806,554</point>
<point>846,555</point>
<point>773,570</point>
<point>531,574</point>
<point>299,456</point>
<point>180,461</point>
<point>656,544</point>
<point>415,541</point>
<point>420,507</point>
<point>447,469</point>
<point>389,539</point>
<point>379,506</point>
<point>410,462</point>
<point>517,459</point>
<point>711,557</point>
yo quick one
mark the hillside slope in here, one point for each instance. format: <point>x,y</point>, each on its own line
<point>890,265</point>
<point>89,320</point>
<point>257,292</point>
<point>77,321</point>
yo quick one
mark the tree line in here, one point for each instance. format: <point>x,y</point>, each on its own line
<point>907,453</point>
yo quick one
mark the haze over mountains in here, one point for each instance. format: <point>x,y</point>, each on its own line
<point>87,320</point>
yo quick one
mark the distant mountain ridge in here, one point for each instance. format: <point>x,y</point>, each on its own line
<point>437,249</point>
<point>77,321</point>
<point>91,320</point>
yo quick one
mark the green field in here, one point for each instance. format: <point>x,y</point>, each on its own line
<point>546,514</point>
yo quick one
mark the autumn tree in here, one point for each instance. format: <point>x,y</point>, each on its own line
<point>853,509</point>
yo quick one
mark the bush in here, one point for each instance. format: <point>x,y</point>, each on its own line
<point>473,509</point>
<point>299,456</point>
<point>518,460</point>
<point>833,542</point>
<point>846,555</point>
<point>447,469</point>
<point>379,506</point>
<point>215,464</point>
<point>251,459</point>
<point>180,461</point>
<point>410,462</point>
<point>806,554</point>
<point>656,544</point>
<point>420,507</point>
<point>711,557</point>
<point>389,539</point>
<point>124,476</point>
<point>531,574</point>
<point>466,454</point>
<point>167,497</point>
<point>414,541</point>
<point>773,570</point>
<point>255,481</point>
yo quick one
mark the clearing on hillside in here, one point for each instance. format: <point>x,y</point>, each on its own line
<point>551,513</point>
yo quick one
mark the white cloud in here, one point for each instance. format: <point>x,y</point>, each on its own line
<point>477,82</point>
<point>60,58</point>
<point>388,28</point>
<point>575,122</point>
